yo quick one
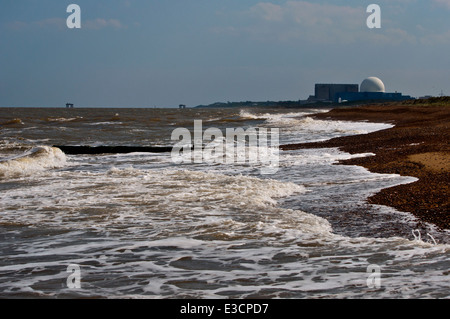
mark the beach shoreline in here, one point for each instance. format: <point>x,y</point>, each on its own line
<point>417,146</point>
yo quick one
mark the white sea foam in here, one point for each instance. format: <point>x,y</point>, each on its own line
<point>106,123</point>
<point>169,191</point>
<point>37,159</point>
<point>63,119</point>
<point>299,127</point>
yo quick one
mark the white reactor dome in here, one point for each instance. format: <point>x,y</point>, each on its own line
<point>372,84</point>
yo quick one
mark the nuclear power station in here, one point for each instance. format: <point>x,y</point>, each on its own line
<point>372,88</point>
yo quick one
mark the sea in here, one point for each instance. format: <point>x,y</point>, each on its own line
<point>141,225</point>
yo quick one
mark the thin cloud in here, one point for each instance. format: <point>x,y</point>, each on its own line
<point>100,23</point>
<point>268,11</point>
<point>51,23</point>
<point>302,20</point>
<point>307,14</point>
<point>321,23</point>
<point>56,23</point>
<point>443,3</point>
<point>60,24</point>
<point>16,25</point>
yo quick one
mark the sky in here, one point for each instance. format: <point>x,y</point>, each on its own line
<point>147,53</point>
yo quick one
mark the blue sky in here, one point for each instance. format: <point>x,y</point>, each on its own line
<point>145,53</point>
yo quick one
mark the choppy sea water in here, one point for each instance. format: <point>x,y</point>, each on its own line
<point>138,225</point>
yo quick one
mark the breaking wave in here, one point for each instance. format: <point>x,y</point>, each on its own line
<point>13,122</point>
<point>35,160</point>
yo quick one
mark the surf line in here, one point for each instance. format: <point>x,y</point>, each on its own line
<point>239,146</point>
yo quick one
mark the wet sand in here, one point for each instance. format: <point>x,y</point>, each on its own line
<point>417,146</point>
